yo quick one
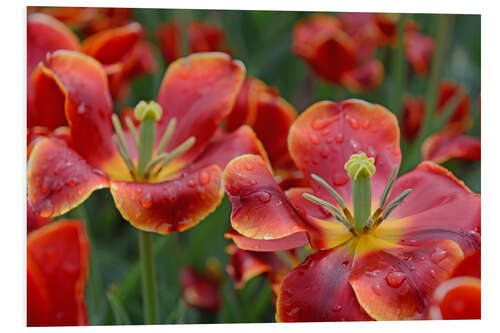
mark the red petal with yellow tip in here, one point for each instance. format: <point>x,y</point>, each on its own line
<point>57,267</point>
<point>418,50</point>
<point>199,91</point>
<point>442,147</point>
<point>293,241</point>
<point>245,265</point>
<point>261,209</point>
<point>59,179</point>
<point>318,290</point>
<point>397,284</point>
<point>169,206</point>
<point>228,146</point>
<point>364,77</point>
<point>34,220</point>
<point>200,291</point>
<point>324,232</point>
<point>458,298</point>
<point>79,87</point>
<point>325,136</point>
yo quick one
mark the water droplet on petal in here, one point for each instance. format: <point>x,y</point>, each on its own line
<point>337,308</point>
<point>72,182</point>
<point>249,167</point>
<point>365,124</point>
<point>354,123</point>
<point>324,153</point>
<point>339,138</point>
<point>314,138</point>
<point>264,197</point>
<point>433,273</point>
<point>191,183</point>
<point>81,109</point>
<point>204,177</point>
<point>438,255</point>
<point>46,209</point>
<point>339,180</point>
<point>377,289</point>
<point>146,200</point>
<point>321,123</point>
<point>395,278</point>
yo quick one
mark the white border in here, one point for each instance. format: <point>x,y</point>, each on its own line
<point>13,173</point>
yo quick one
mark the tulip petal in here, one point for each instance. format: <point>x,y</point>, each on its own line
<point>418,50</point>
<point>200,291</point>
<point>459,298</point>
<point>318,290</point>
<point>57,267</point>
<point>46,35</point>
<point>199,91</point>
<point>245,265</point>
<point>325,136</point>
<point>397,284</point>
<point>439,207</point>
<point>460,120</point>
<point>35,221</point>
<point>82,89</point>
<point>228,146</point>
<point>413,115</point>
<point>261,209</point>
<point>298,239</point>
<point>442,147</point>
<point>470,266</point>
<point>174,205</point>
<point>59,179</point>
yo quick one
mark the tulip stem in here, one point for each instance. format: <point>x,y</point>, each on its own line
<point>149,294</point>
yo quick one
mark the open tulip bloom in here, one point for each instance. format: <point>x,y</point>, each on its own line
<point>383,243</point>
<point>164,175</point>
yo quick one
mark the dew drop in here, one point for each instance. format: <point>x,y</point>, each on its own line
<point>354,123</point>
<point>438,256</point>
<point>337,308</point>
<point>339,138</point>
<point>81,109</point>
<point>314,138</point>
<point>146,200</point>
<point>249,167</point>
<point>324,153</point>
<point>191,183</point>
<point>72,182</point>
<point>395,278</point>
<point>365,124</point>
<point>293,312</point>
<point>46,209</point>
<point>252,182</point>
<point>319,124</point>
<point>99,172</point>
<point>204,177</point>
<point>377,289</point>
<point>264,197</point>
<point>325,132</point>
<point>433,273</point>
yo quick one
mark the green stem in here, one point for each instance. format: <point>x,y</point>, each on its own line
<point>149,294</point>
<point>399,66</point>
<point>362,200</point>
<point>443,31</point>
<point>147,137</point>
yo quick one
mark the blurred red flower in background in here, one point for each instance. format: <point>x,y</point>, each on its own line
<point>201,291</point>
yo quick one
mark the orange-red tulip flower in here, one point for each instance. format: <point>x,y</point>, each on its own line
<point>382,263</point>
<point>57,267</point>
<point>338,52</point>
<point>180,181</point>
<point>201,291</point>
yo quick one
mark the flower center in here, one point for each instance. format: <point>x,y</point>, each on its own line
<point>360,169</point>
<point>149,163</point>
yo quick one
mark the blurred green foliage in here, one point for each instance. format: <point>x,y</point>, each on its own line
<point>262,40</point>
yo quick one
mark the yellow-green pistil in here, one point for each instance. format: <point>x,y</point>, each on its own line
<point>360,169</point>
<point>148,164</point>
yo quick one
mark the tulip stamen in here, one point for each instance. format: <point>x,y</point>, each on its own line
<point>148,160</point>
